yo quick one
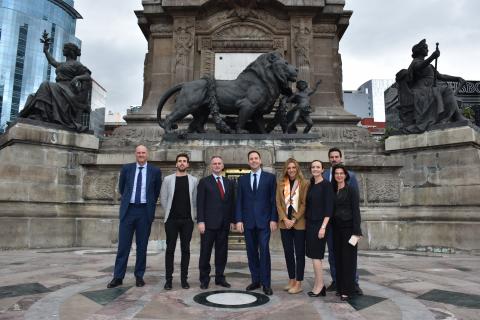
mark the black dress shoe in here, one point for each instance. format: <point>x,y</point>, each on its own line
<point>203,286</point>
<point>322,292</point>
<point>358,290</point>
<point>346,298</point>
<point>223,283</point>
<point>185,284</point>
<point>332,287</point>
<point>267,290</point>
<point>168,285</point>
<point>139,282</point>
<point>253,286</point>
<point>115,283</point>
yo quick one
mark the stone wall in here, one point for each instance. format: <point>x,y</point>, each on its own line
<point>59,188</point>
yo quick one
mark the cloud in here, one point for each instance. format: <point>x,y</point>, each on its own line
<point>376,44</point>
<point>381,33</point>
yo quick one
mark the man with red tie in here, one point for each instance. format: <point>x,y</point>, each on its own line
<point>215,208</point>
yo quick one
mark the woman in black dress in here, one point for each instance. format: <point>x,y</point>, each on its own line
<point>346,228</point>
<point>319,209</point>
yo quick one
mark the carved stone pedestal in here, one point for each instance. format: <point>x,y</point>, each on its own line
<point>439,205</point>
<point>40,181</point>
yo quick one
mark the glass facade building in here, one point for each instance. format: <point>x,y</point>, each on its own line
<point>23,66</point>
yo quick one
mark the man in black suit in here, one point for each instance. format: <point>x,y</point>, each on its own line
<point>139,185</point>
<point>215,218</point>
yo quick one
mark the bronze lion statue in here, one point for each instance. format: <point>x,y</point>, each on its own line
<point>250,96</point>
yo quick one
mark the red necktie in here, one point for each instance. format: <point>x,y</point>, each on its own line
<point>220,187</point>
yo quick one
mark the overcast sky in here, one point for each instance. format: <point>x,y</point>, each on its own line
<point>376,45</point>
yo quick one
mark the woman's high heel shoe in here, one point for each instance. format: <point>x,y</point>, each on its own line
<point>322,292</point>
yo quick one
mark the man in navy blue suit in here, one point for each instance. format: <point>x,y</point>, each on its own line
<point>335,157</point>
<point>215,208</point>
<point>139,185</point>
<point>256,215</point>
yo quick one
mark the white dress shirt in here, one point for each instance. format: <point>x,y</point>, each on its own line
<point>258,172</point>
<point>221,181</point>
<point>143,194</point>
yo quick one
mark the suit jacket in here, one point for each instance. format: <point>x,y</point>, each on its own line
<point>256,210</point>
<point>211,209</point>
<point>125,186</point>
<point>168,188</point>
<point>282,208</point>
<point>351,182</point>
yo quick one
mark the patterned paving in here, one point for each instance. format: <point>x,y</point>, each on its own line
<point>66,284</point>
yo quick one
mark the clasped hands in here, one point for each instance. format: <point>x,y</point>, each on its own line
<point>239,226</point>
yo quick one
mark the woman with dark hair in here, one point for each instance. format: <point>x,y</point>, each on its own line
<point>346,231</point>
<point>290,198</point>
<point>319,209</point>
<point>66,100</point>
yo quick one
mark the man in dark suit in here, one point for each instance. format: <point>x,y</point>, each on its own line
<point>215,209</point>
<point>139,185</point>
<point>256,215</point>
<point>335,157</point>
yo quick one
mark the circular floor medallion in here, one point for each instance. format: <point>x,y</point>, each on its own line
<point>231,299</point>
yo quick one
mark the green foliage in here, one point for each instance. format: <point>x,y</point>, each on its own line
<point>388,133</point>
<point>468,112</point>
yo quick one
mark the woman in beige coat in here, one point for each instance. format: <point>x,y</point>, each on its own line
<point>290,197</point>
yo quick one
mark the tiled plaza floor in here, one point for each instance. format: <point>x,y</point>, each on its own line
<point>71,283</point>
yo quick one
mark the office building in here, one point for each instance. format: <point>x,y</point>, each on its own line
<point>23,66</point>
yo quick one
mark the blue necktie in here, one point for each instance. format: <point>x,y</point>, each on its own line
<point>138,189</point>
<point>254,183</point>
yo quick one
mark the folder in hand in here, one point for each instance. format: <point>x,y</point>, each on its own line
<point>353,240</point>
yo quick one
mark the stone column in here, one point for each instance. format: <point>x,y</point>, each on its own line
<point>207,57</point>
<point>157,68</point>
<point>301,42</point>
<point>327,66</point>
<point>183,45</point>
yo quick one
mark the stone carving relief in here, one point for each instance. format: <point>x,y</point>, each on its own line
<point>241,31</point>
<point>280,45</point>
<point>98,186</point>
<point>301,43</point>
<point>183,44</point>
<point>137,132</point>
<point>335,134</point>
<point>242,9</point>
<point>237,36</point>
<point>205,43</point>
<point>277,24</point>
<point>383,189</point>
<point>207,63</point>
<point>213,18</point>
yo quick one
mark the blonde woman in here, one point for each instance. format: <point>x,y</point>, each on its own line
<point>290,197</point>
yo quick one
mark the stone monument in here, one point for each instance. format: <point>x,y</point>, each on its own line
<point>422,100</point>
<point>75,202</point>
<point>66,100</point>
